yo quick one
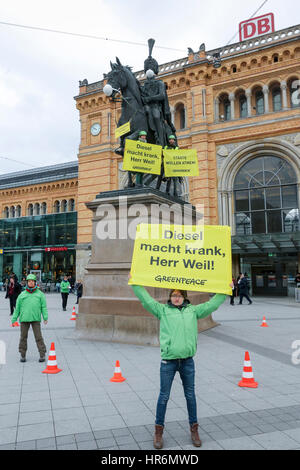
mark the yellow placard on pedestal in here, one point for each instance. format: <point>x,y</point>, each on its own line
<point>124,129</point>
<point>140,157</point>
<point>196,258</point>
<point>180,162</point>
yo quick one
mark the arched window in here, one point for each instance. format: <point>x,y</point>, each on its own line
<point>180,116</point>
<point>276,99</point>
<point>36,209</point>
<point>12,212</point>
<point>56,207</point>
<point>265,193</point>
<point>6,212</point>
<point>44,208</point>
<point>71,205</point>
<point>64,205</point>
<point>18,211</point>
<point>243,106</point>
<point>30,209</point>
<point>224,108</point>
<point>259,102</point>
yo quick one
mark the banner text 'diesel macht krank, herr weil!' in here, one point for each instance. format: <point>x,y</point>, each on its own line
<point>141,157</point>
<point>196,258</point>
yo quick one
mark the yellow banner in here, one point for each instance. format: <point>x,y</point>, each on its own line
<point>196,258</point>
<point>180,163</point>
<point>140,157</point>
<point>122,130</point>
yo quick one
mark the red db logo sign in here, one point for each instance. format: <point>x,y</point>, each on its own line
<point>257,26</point>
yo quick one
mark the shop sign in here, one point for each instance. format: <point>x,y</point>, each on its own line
<point>56,248</point>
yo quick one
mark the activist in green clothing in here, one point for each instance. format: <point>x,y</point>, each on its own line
<point>64,290</point>
<point>30,308</point>
<point>178,344</point>
<point>178,327</point>
<point>65,287</point>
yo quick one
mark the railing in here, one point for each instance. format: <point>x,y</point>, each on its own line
<point>224,52</point>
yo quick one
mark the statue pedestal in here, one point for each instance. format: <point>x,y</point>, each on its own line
<point>109,310</point>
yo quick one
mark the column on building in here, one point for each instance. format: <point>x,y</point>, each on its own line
<point>217,109</point>
<point>232,102</point>
<point>283,87</point>
<point>248,96</point>
<point>266,97</point>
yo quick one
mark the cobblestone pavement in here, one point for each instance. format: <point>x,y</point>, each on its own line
<point>79,408</point>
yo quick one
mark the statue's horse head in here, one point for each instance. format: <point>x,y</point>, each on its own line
<point>118,79</point>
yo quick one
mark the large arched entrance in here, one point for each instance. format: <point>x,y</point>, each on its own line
<point>261,203</point>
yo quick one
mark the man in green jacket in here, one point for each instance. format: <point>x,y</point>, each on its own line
<point>64,290</point>
<point>178,344</point>
<point>31,306</point>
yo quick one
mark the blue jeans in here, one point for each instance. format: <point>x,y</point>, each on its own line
<point>168,369</point>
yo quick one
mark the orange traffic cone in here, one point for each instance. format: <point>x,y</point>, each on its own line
<point>16,324</point>
<point>52,364</point>
<point>73,317</point>
<point>264,323</point>
<point>118,374</point>
<point>247,377</point>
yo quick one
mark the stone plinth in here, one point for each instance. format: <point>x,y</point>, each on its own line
<point>109,310</point>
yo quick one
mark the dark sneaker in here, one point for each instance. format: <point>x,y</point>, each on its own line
<point>42,359</point>
<point>23,359</point>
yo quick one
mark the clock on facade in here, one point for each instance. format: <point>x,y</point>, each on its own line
<point>95,128</point>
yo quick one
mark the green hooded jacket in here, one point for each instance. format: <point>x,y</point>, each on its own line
<point>30,306</point>
<point>178,327</point>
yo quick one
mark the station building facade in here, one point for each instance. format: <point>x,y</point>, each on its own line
<point>38,226</point>
<point>243,119</point>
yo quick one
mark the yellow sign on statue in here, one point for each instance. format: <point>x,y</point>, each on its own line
<point>196,258</point>
<point>140,157</point>
<point>180,162</point>
<point>122,130</point>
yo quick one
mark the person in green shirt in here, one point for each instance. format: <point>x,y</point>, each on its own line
<point>64,290</point>
<point>30,307</point>
<point>178,344</point>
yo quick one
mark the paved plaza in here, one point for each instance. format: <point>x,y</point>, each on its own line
<point>80,408</point>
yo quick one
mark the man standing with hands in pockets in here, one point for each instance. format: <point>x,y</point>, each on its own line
<point>31,306</point>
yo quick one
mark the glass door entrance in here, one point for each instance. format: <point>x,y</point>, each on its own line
<point>269,280</point>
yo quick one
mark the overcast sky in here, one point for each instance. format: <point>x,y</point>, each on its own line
<point>40,71</point>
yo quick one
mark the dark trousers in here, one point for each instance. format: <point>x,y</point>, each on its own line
<point>78,297</point>
<point>64,296</point>
<point>36,326</point>
<point>168,369</point>
<point>247,297</point>
<point>12,303</point>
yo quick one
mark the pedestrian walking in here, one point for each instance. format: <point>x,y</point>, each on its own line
<point>234,282</point>
<point>31,306</point>
<point>178,344</point>
<point>78,288</point>
<point>64,290</point>
<point>297,279</point>
<point>244,289</point>
<point>13,290</point>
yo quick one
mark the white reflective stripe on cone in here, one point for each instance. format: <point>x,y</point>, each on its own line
<point>248,375</point>
<point>247,364</point>
<point>117,369</point>
<point>52,363</point>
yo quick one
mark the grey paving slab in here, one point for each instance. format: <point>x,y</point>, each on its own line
<point>64,440</point>
<point>106,443</point>
<point>35,431</point>
<point>276,441</point>
<point>241,443</point>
